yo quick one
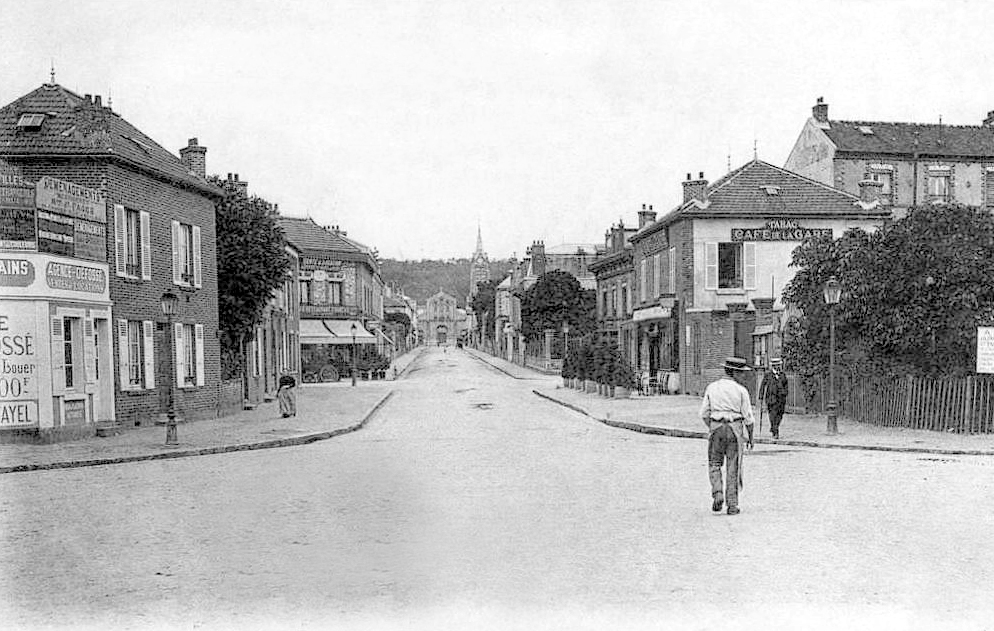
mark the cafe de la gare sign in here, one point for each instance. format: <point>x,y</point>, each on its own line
<point>780,230</point>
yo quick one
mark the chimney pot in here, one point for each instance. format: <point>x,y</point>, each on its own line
<point>701,175</point>
<point>192,142</point>
<point>236,177</point>
<point>688,177</point>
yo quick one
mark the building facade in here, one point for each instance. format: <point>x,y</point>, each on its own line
<point>709,273</point>
<point>275,345</point>
<point>441,322</point>
<point>341,299</point>
<point>614,274</point>
<point>908,164</point>
<point>157,236</point>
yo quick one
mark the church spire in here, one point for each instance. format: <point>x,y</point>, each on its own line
<point>479,239</point>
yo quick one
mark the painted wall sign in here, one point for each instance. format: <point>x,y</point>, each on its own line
<point>321,263</point>
<point>17,215</point>
<point>75,278</point>
<point>75,412</point>
<point>780,230</point>
<point>71,199</point>
<point>18,368</point>
<point>985,349</point>
<point>16,273</point>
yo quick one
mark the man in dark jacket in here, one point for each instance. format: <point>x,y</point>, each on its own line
<point>773,392</point>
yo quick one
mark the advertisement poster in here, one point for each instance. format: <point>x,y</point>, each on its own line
<point>985,349</point>
<point>18,368</point>
<point>72,220</point>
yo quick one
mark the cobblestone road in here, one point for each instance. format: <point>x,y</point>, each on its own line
<point>468,502</point>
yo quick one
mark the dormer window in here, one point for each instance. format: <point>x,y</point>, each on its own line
<point>771,190</point>
<point>30,122</point>
<point>866,130</point>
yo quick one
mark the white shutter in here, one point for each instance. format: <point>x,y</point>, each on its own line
<point>123,354</point>
<point>657,270</point>
<point>58,357</point>
<point>89,351</point>
<point>749,264</point>
<point>197,279</point>
<point>120,241</point>
<point>642,280</point>
<point>149,348</point>
<point>710,266</point>
<point>180,355</point>
<point>146,239</point>
<point>177,274</point>
<point>671,272</point>
<point>198,335</point>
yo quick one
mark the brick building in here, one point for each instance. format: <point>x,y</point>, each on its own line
<point>159,238</point>
<point>904,164</point>
<point>709,274</point>
<point>614,273</point>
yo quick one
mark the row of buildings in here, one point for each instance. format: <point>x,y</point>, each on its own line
<point>682,289</point>
<point>99,225</point>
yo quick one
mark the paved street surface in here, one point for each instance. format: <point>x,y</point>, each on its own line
<point>468,502</point>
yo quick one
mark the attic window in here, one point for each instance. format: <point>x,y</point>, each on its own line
<point>144,147</point>
<point>770,190</point>
<point>866,130</point>
<point>31,121</point>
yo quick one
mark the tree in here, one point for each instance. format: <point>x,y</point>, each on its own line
<point>251,263</point>
<point>913,294</point>
<point>557,298</point>
<point>484,305</point>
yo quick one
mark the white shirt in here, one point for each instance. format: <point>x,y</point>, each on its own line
<point>726,399</point>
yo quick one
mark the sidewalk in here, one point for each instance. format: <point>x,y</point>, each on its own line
<point>323,411</point>
<point>677,415</point>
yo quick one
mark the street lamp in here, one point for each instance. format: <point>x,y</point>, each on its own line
<point>832,292</point>
<point>353,354</point>
<point>169,302</point>
<point>565,339</point>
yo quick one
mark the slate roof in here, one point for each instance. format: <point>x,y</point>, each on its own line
<point>308,237</point>
<point>74,125</point>
<point>908,138</point>
<point>743,193</point>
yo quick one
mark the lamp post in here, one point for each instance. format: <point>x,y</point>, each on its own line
<point>565,339</point>
<point>169,302</point>
<point>353,354</point>
<point>832,292</point>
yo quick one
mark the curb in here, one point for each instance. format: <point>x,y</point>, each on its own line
<point>476,355</point>
<point>292,441</point>
<point>683,433</point>
<point>406,369</point>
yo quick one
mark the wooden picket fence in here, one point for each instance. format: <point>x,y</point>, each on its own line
<point>964,404</point>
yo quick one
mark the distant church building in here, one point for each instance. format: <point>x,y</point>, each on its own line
<point>479,267</point>
<point>441,321</point>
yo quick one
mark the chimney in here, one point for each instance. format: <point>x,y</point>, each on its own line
<point>869,190</point>
<point>96,100</point>
<point>646,216</point>
<point>989,121</point>
<point>820,110</point>
<point>695,189</point>
<point>241,185</point>
<point>537,252</point>
<point>194,157</point>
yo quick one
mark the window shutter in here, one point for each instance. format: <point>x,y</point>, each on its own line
<point>177,278</point>
<point>671,272</point>
<point>180,355</point>
<point>149,348</point>
<point>198,334</point>
<point>197,279</point>
<point>710,266</point>
<point>657,274</point>
<point>123,354</point>
<point>146,246</point>
<point>58,357</point>
<point>749,261</point>
<point>120,252</point>
<point>89,351</point>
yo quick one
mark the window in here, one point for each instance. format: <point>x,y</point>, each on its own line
<point>305,292</point>
<point>69,352</point>
<point>657,274</point>
<point>135,344</point>
<point>30,122</point>
<point>189,358</point>
<point>132,242</point>
<point>624,298</point>
<point>186,255</point>
<point>671,271</point>
<point>938,185</point>
<point>642,281</point>
<point>334,293</point>
<point>989,188</point>
<point>730,265</point>
<point>886,179</point>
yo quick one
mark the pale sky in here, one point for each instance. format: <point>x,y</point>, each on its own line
<point>408,122</point>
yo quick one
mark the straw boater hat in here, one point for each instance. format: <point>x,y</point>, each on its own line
<point>776,361</point>
<point>735,363</point>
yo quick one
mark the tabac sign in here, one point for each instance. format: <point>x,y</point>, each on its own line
<point>780,230</point>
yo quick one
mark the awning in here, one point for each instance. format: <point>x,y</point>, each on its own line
<point>334,332</point>
<point>765,329</point>
<point>386,338</point>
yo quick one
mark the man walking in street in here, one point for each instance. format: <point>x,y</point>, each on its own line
<point>726,410</point>
<point>773,392</point>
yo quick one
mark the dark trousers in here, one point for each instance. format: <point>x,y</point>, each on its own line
<point>776,415</point>
<point>723,449</point>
